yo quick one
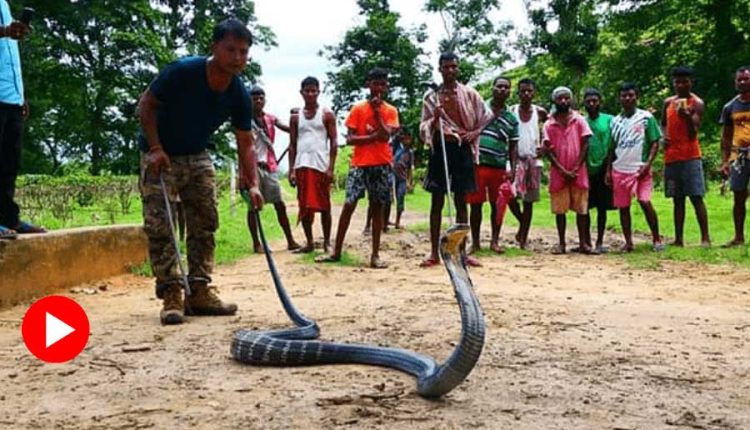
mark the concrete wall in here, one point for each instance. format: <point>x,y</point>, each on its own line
<point>34,266</point>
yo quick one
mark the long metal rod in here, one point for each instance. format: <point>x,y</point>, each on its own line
<point>445,162</point>
<point>176,244</point>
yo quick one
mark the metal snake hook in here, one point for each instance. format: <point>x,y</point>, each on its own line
<point>168,206</point>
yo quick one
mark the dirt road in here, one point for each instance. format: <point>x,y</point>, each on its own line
<point>573,342</point>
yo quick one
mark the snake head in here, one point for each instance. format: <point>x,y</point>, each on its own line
<point>452,239</point>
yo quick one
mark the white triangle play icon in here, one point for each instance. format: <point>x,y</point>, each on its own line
<point>55,330</point>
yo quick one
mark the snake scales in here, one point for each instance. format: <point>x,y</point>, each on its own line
<point>296,346</point>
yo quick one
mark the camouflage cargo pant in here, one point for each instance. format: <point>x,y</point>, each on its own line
<point>192,179</point>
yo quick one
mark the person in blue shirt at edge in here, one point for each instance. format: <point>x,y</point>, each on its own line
<point>182,107</point>
<point>13,111</point>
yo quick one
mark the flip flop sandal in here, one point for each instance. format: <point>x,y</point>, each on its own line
<point>472,261</point>
<point>6,233</point>
<point>498,250</point>
<point>26,228</point>
<point>429,262</point>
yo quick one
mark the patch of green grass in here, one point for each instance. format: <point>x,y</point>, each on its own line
<point>644,258</point>
<point>233,238</point>
<point>347,259</point>
<point>418,227</point>
<point>720,225</point>
<point>509,252</point>
<point>97,214</point>
<point>143,269</point>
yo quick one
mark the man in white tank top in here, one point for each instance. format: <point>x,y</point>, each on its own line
<point>528,175</point>
<point>312,155</point>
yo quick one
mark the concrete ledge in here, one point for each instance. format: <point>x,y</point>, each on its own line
<point>37,265</point>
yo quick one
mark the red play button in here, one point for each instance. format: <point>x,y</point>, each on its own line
<point>55,329</point>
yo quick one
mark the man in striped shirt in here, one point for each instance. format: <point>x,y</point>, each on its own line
<point>497,149</point>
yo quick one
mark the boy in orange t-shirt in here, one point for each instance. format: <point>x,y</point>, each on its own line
<point>370,124</point>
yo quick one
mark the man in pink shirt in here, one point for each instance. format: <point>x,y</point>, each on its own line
<point>565,138</point>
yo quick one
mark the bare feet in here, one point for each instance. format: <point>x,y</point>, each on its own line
<point>258,248</point>
<point>326,246</point>
<point>521,241</point>
<point>706,244</point>
<point>327,258</point>
<point>732,243</point>
<point>559,249</point>
<point>587,250</point>
<point>678,243</point>
<point>304,250</point>
<point>292,246</point>
<point>376,263</point>
<point>628,247</point>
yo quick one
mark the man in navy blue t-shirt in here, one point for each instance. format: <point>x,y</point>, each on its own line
<point>186,103</point>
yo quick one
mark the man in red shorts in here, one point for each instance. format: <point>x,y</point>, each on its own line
<point>312,155</point>
<point>497,144</point>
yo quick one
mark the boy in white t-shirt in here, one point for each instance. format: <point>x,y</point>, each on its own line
<point>635,138</point>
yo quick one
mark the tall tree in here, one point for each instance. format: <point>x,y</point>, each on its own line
<point>473,33</point>
<point>574,40</point>
<point>379,42</point>
<point>640,41</point>
<point>87,62</point>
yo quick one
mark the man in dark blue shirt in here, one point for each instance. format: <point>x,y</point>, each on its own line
<point>186,103</point>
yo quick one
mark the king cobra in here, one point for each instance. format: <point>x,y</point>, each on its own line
<point>295,347</point>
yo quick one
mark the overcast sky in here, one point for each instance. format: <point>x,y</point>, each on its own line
<point>303,28</point>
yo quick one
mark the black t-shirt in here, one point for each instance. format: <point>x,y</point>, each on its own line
<point>190,112</point>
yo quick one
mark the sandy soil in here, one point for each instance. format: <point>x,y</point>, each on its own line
<point>573,342</point>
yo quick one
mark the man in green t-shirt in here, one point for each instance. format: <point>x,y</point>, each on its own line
<point>497,149</point>
<point>600,195</point>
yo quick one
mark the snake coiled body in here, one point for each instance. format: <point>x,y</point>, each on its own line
<point>296,346</point>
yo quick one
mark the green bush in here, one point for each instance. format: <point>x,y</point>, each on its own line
<point>341,169</point>
<point>62,196</point>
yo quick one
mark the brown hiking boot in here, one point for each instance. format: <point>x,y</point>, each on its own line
<point>173,310</point>
<point>203,300</point>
